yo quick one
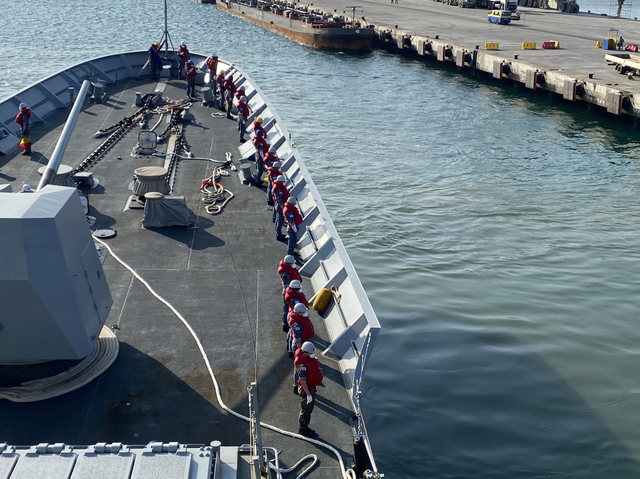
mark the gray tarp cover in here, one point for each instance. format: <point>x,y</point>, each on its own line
<point>161,211</point>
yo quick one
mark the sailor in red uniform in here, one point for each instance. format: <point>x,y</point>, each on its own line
<point>257,125</point>
<point>293,218</point>
<point>309,374</point>
<point>229,89</point>
<point>220,82</point>
<point>300,328</point>
<point>212,65</point>
<point>23,118</point>
<point>262,147</point>
<point>243,114</point>
<point>273,171</point>
<point>280,196</point>
<point>183,57</point>
<point>293,295</point>
<point>191,73</point>
<point>288,272</point>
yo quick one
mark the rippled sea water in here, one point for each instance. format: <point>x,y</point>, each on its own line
<point>496,233</point>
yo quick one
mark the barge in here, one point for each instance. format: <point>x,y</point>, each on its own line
<point>310,27</point>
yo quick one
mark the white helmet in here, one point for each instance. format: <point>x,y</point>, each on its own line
<point>281,178</point>
<point>276,164</point>
<point>214,55</point>
<point>289,259</point>
<point>273,150</point>
<point>291,200</point>
<point>300,308</point>
<point>26,188</point>
<point>183,44</point>
<point>243,98</point>
<point>308,347</point>
<point>295,284</point>
<point>22,105</point>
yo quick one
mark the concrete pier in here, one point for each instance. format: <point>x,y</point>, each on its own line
<point>576,71</point>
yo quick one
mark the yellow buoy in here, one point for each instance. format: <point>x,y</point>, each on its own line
<point>322,300</point>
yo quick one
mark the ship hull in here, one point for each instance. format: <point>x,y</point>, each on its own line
<point>353,40</point>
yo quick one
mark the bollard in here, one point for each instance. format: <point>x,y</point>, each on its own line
<point>207,95</point>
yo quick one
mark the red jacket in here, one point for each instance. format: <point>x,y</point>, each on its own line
<point>292,216</point>
<point>314,375</point>
<point>243,110</point>
<point>229,86</point>
<point>293,296</point>
<point>280,193</point>
<point>292,272</point>
<point>183,52</point>
<point>240,93</point>
<point>212,64</point>
<point>270,159</point>
<point>258,126</point>
<point>23,117</point>
<point>220,81</point>
<point>272,171</point>
<point>307,326</point>
<point>260,145</point>
<point>190,70</point>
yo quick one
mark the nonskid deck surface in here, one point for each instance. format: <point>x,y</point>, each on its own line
<point>221,276</point>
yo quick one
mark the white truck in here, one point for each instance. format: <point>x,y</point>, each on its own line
<point>567,6</point>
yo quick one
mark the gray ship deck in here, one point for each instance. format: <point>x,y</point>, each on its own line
<point>220,276</point>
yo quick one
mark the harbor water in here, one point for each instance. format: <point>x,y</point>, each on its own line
<point>496,234</point>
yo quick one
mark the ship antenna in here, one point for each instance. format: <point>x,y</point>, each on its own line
<point>166,38</point>
<point>353,13</point>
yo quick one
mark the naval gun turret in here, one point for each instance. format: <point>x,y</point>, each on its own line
<point>54,297</point>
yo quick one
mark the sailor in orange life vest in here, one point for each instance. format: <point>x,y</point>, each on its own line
<point>288,272</point>
<point>191,73</point>
<point>212,65</point>
<point>183,57</point>
<point>273,171</point>
<point>280,195</point>
<point>23,119</point>
<point>243,114</point>
<point>309,373</point>
<point>293,295</point>
<point>300,328</point>
<point>293,219</point>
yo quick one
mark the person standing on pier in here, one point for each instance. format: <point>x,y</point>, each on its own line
<point>23,118</point>
<point>294,219</point>
<point>183,58</point>
<point>309,373</point>
<point>212,65</point>
<point>191,73</point>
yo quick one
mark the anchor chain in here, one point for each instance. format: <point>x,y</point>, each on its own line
<point>117,131</point>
